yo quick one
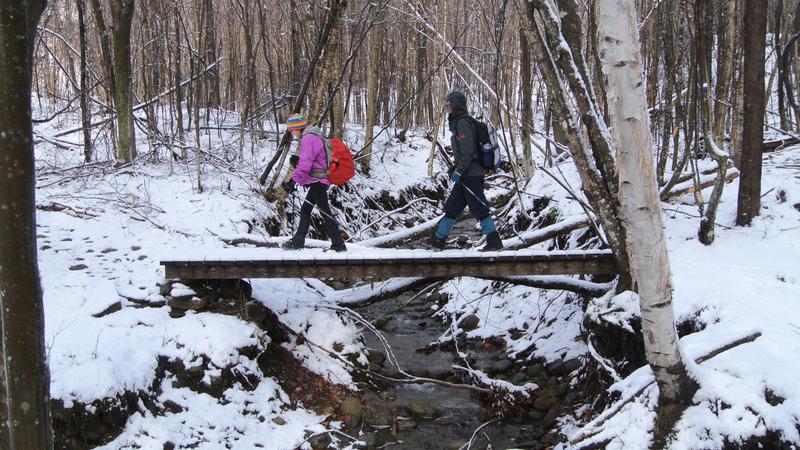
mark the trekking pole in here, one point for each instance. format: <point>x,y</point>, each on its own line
<point>323,213</point>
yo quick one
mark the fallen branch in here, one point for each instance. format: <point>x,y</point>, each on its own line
<point>779,144</point>
<point>684,177</point>
<point>562,283</point>
<point>611,412</point>
<point>708,181</point>
<point>399,237</point>
<point>390,213</point>
<point>468,445</point>
<point>368,294</point>
<point>69,210</point>
<point>419,294</point>
<point>534,237</point>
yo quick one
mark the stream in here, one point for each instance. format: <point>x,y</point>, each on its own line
<point>431,416</point>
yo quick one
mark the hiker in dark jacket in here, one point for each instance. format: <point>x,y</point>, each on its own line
<point>311,170</point>
<point>467,177</point>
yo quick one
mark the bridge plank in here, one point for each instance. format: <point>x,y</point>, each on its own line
<point>383,264</point>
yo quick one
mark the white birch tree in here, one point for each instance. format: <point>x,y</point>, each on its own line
<point>618,38</point>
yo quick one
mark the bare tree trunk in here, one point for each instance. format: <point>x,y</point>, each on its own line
<point>372,89</point>
<point>198,156</point>
<point>178,89</point>
<point>423,94</point>
<point>704,38</point>
<point>333,88</point>
<point>527,113</point>
<point>296,49</point>
<point>737,122</point>
<point>122,16</point>
<point>777,42</point>
<point>249,75</point>
<point>86,111</point>
<point>668,51</point>
<point>209,49</point>
<point>404,89</point>
<point>755,30</point>
<point>647,250</point>
<point>108,64</point>
<point>325,88</point>
<point>105,43</point>
<point>725,66</point>
<point>24,377</point>
<point>786,80</point>
<point>592,156</point>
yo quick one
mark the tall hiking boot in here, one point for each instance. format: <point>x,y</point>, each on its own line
<point>493,243</point>
<point>340,248</point>
<point>291,245</point>
<point>433,243</point>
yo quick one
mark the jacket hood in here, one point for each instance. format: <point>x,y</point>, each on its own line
<point>458,101</point>
<point>313,129</point>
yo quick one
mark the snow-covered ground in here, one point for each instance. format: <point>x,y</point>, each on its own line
<point>102,232</point>
<point>748,281</point>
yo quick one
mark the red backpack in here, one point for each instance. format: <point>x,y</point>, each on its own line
<point>341,168</point>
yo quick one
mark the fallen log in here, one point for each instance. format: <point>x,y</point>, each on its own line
<point>540,235</point>
<point>690,187</point>
<point>562,283</point>
<point>778,144</point>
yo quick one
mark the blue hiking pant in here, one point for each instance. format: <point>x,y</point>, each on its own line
<point>468,192</point>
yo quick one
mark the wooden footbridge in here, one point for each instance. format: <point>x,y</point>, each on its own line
<point>361,262</point>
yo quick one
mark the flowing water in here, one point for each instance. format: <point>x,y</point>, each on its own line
<point>430,416</point>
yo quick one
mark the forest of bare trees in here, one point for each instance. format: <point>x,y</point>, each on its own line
<point>389,63</point>
<point>717,77</point>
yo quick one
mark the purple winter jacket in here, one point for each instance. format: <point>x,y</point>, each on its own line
<point>312,156</point>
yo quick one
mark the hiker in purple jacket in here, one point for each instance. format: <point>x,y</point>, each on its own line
<point>311,170</point>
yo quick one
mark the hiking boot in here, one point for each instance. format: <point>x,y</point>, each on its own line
<point>291,245</point>
<point>337,248</point>
<point>493,243</point>
<point>433,243</point>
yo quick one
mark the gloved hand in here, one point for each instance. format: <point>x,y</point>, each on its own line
<point>289,186</point>
<point>455,177</point>
<point>293,160</point>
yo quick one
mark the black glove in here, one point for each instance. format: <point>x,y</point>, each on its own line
<point>293,160</point>
<point>289,186</point>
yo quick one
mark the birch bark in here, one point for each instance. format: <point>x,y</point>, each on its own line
<point>618,39</point>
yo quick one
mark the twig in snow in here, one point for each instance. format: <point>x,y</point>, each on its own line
<point>414,297</point>
<point>468,445</point>
<point>311,436</point>
<point>59,207</point>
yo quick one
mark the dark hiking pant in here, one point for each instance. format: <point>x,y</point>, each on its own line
<point>469,192</point>
<point>317,196</point>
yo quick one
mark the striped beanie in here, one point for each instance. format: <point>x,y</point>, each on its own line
<point>296,122</point>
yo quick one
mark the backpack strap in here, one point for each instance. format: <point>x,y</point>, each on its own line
<point>321,173</point>
<point>473,121</point>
